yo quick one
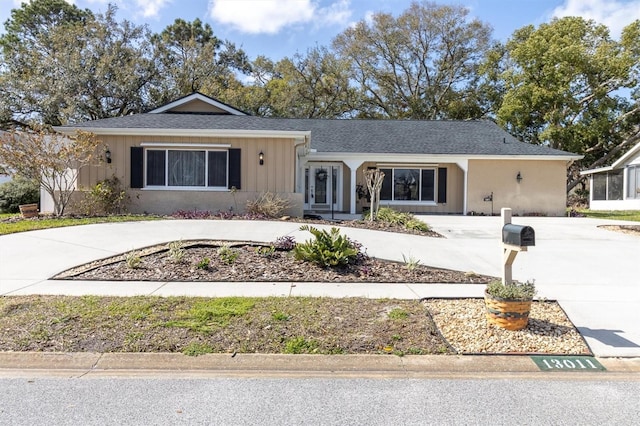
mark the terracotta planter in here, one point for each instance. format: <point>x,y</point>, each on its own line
<point>28,210</point>
<point>511,314</point>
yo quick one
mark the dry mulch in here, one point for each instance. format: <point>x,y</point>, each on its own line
<point>251,263</point>
<point>626,229</point>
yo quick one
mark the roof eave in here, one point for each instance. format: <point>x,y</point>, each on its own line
<point>382,156</point>
<point>230,133</point>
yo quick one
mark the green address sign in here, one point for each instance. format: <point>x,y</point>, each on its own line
<point>567,363</point>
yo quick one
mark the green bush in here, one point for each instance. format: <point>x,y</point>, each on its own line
<point>106,197</point>
<point>16,192</point>
<point>327,249</point>
<point>393,217</point>
<point>515,290</point>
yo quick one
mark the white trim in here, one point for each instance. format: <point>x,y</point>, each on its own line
<point>429,158</point>
<point>222,133</point>
<point>408,203</point>
<point>404,165</point>
<point>185,188</point>
<point>183,145</point>
<point>199,97</point>
<point>595,171</point>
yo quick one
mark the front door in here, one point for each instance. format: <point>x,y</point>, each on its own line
<point>322,188</point>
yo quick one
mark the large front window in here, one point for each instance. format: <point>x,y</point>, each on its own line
<point>408,185</point>
<point>186,168</point>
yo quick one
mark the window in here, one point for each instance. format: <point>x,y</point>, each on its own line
<point>607,186</point>
<point>409,185</point>
<point>170,167</point>
<point>633,182</point>
<point>185,168</point>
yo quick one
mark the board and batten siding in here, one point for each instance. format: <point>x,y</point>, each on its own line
<point>277,175</point>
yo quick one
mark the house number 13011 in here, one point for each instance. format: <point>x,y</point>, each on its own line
<point>574,363</point>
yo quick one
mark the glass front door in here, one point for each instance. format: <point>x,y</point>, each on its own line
<point>321,187</point>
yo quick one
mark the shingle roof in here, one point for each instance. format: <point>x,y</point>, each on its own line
<point>473,137</point>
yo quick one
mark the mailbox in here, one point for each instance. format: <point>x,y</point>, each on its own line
<point>518,235</point>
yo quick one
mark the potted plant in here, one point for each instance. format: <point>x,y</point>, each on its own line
<point>508,305</point>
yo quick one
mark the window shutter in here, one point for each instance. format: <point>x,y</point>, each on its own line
<point>234,168</point>
<point>137,167</point>
<point>442,185</point>
<point>387,184</point>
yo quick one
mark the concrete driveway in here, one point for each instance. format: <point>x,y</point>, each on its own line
<point>593,273</point>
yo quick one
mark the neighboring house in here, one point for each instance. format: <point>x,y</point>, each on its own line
<point>190,153</point>
<point>616,187</point>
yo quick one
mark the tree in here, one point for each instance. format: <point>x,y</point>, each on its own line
<point>51,159</point>
<point>314,85</point>
<point>418,64</point>
<point>374,179</point>
<point>107,73</point>
<point>24,46</point>
<point>191,58</point>
<point>111,70</point>
<point>570,86</point>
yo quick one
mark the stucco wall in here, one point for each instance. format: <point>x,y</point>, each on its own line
<point>455,192</point>
<point>541,191</point>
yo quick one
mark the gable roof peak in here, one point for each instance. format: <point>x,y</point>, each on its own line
<point>181,105</point>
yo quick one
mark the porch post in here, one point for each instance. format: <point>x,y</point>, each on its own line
<point>464,165</point>
<point>353,167</point>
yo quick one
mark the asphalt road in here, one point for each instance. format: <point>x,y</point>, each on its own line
<point>260,401</point>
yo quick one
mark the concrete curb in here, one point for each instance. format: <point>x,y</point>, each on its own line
<point>87,365</point>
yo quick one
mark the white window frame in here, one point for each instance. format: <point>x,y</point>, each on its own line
<point>166,147</point>
<point>412,202</point>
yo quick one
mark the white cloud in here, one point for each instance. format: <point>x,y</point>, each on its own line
<point>151,8</point>
<point>271,16</point>
<point>616,14</point>
<point>337,13</point>
<point>144,8</point>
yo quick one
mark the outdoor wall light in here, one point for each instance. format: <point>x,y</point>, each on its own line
<point>107,156</point>
<point>519,177</point>
<point>261,158</point>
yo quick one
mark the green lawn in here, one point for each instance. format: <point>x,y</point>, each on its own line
<point>10,227</point>
<point>631,215</point>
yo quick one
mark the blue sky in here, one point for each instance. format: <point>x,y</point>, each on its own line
<point>278,28</point>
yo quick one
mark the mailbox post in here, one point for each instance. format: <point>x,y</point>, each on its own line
<point>515,238</point>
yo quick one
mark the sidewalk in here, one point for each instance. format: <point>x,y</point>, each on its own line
<point>590,271</point>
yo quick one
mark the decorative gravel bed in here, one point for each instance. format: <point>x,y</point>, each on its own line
<point>462,323</point>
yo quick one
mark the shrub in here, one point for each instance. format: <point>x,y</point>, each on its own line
<point>515,290</point>
<point>393,217</point>
<point>203,264</point>
<point>227,254</point>
<point>286,242</point>
<point>16,192</point>
<point>176,251</point>
<point>327,249</point>
<point>266,251</point>
<point>133,260</point>
<point>106,197</point>
<point>192,214</point>
<point>268,204</point>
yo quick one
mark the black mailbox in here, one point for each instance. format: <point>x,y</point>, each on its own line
<point>518,235</point>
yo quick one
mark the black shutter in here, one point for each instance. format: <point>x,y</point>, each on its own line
<point>442,185</point>
<point>137,167</point>
<point>387,184</point>
<point>234,168</point>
